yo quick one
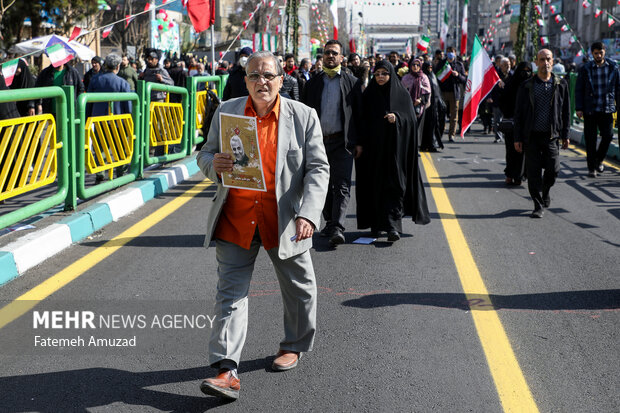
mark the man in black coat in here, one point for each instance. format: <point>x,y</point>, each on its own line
<point>336,95</point>
<point>541,120</point>
<point>63,75</point>
<point>235,85</point>
<point>451,88</point>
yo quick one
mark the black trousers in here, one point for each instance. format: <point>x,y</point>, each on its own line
<point>541,152</point>
<point>339,191</point>
<point>514,160</point>
<point>592,124</point>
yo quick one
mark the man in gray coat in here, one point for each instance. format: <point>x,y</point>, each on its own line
<point>283,219</point>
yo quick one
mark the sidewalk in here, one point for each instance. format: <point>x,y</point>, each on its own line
<point>22,250</point>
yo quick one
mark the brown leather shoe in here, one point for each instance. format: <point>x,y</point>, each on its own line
<point>223,385</point>
<point>285,360</point>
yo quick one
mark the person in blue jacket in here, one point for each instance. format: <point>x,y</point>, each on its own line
<point>108,81</point>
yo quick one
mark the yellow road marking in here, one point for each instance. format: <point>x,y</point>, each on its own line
<point>510,383</point>
<point>607,163</point>
<point>30,299</point>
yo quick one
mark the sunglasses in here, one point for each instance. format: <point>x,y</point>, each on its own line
<point>254,77</point>
<point>381,74</point>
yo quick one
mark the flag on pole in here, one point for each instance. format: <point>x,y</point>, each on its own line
<point>586,4</point>
<point>8,71</point>
<point>423,43</point>
<point>148,6</point>
<point>201,13</point>
<point>333,8</point>
<point>538,9</point>
<point>128,19</point>
<point>106,31</point>
<point>544,40</point>
<point>445,72</point>
<point>558,18</point>
<point>572,39</point>
<point>444,30</point>
<point>540,22</point>
<point>481,79</point>
<point>464,30</point>
<point>552,9</point>
<point>75,33</point>
<point>58,54</point>
<point>565,28</point>
<point>598,12</point>
<point>610,20</point>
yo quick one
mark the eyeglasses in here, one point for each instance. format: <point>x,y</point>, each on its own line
<point>381,74</point>
<point>254,77</point>
<point>331,53</point>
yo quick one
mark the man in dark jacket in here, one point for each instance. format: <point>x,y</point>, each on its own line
<point>451,88</point>
<point>126,72</point>
<point>336,95</point>
<point>63,75</point>
<point>541,119</point>
<point>156,74</point>
<point>108,81</point>
<point>235,85</point>
<point>596,100</point>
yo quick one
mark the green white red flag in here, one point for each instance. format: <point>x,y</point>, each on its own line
<point>8,71</point>
<point>423,43</point>
<point>481,79</point>
<point>58,54</point>
<point>333,8</point>
<point>445,72</point>
<point>444,30</point>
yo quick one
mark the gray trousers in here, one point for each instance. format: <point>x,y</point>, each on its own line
<point>299,296</point>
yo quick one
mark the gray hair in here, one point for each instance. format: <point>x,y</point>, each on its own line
<point>504,59</point>
<point>112,61</point>
<point>266,55</point>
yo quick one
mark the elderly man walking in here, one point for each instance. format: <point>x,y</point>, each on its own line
<point>282,219</point>
<point>541,120</point>
<point>597,93</point>
<point>337,97</point>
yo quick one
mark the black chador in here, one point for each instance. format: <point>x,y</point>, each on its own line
<point>388,181</point>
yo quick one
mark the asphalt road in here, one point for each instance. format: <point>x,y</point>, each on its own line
<point>396,329</point>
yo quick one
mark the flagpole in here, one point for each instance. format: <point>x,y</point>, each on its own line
<point>212,48</point>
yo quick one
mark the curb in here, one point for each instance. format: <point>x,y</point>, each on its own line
<point>19,256</point>
<point>576,136</point>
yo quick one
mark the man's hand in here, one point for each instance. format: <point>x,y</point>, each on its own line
<point>304,230</point>
<point>31,112</point>
<point>455,73</point>
<point>358,151</point>
<point>222,162</point>
<point>565,143</point>
<point>501,84</point>
<point>159,77</point>
<point>390,117</point>
<point>39,109</point>
<point>519,147</point>
<point>579,114</point>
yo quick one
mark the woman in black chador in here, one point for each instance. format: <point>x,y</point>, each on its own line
<point>388,181</point>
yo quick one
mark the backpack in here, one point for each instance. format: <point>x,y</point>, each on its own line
<point>211,106</point>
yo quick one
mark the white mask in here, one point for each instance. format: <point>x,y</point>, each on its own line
<point>243,61</point>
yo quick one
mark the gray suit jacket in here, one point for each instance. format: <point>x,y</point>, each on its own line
<point>302,171</point>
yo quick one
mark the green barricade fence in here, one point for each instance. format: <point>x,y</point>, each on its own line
<point>106,143</point>
<point>164,124</point>
<point>197,104</point>
<point>34,151</point>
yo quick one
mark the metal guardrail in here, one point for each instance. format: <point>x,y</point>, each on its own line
<point>39,142</point>
<point>199,103</point>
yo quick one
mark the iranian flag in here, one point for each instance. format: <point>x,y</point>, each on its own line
<point>544,40</point>
<point>610,20</point>
<point>445,72</point>
<point>552,9</point>
<point>423,43</point>
<point>565,28</point>
<point>598,12</point>
<point>333,8</point>
<point>481,79</point>
<point>538,9</point>
<point>77,31</point>
<point>8,71</point>
<point>558,18</point>
<point>540,22</point>
<point>464,30</point>
<point>106,31</point>
<point>586,4</point>
<point>58,54</point>
<point>444,30</point>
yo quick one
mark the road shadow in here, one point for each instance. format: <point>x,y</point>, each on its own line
<point>503,214</point>
<point>80,390</point>
<point>564,300</point>
<point>321,244</point>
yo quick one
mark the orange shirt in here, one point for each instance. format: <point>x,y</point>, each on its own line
<point>245,209</point>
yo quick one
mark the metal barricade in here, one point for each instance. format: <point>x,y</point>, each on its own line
<point>107,142</point>
<point>163,124</point>
<point>198,104</point>
<point>34,152</point>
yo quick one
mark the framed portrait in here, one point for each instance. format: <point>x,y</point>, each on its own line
<point>239,137</point>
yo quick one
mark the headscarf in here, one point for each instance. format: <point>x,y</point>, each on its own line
<point>421,85</point>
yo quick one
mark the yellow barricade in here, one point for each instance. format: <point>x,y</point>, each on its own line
<point>615,116</point>
<point>201,103</point>
<point>166,124</point>
<point>109,142</point>
<point>28,154</point>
